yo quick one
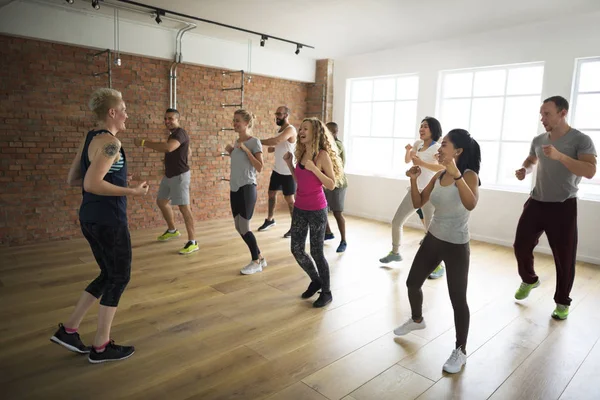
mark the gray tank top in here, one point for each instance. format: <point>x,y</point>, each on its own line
<point>450,221</point>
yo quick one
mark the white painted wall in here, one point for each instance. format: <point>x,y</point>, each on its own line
<point>70,26</point>
<point>557,43</point>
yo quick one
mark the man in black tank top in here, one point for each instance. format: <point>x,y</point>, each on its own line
<point>175,185</point>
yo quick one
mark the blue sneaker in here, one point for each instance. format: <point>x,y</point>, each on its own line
<point>342,247</point>
<point>329,236</point>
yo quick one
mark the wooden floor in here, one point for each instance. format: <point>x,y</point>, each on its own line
<point>203,331</point>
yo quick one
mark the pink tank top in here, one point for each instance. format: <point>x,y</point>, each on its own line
<point>309,194</point>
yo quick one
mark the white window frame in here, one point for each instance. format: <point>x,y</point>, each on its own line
<point>579,62</point>
<point>348,138</point>
<point>507,67</point>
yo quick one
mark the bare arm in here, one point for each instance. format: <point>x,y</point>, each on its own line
<point>419,199</point>
<point>163,147</point>
<point>75,177</point>
<point>271,150</point>
<point>584,166</point>
<point>324,163</point>
<point>529,163</point>
<point>104,152</point>
<point>282,137</point>
<point>410,152</point>
<point>416,160</point>
<point>468,189</point>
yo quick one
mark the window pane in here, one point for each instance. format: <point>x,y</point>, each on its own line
<point>360,119</point>
<point>384,89</point>
<point>405,124</point>
<point>489,162</point>
<point>362,90</point>
<point>589,77</point>
<point>490,83</point>
<point>407,88</point>
<point>587,111</point>
<point>521,118</point>
<point>400,167</point>
<point>486,118</point>
<point>595,136</point>
<point>511,159</point>
<point>458,84</point>
<point>383,119</point>
<point>588,190</point>
<point>455,114</point>
<point>527,80</point>
<point>372,155</point>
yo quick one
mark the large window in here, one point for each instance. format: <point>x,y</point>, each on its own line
<point>382,120</point>
<point>499,106</point>
<point>585,113</point>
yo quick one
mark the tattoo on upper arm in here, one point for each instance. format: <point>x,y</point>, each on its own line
<point>110,150</point>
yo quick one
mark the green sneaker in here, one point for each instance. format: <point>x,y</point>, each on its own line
<point>560,312</point>
<point>168,235</point>
<point>525,289</point>
<point>189,248</point>
<point>438,272</point>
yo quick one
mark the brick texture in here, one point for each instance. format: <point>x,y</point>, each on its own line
<point>320,94</point>
<point>45,88</point>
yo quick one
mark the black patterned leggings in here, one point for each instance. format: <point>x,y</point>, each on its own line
<point>302,220</point>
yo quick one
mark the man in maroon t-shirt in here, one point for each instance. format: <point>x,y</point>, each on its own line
<point>175,185</point>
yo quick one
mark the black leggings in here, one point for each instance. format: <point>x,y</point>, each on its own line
<point>302,220</point>
<point>242,208</point>
<point>456,258</point>
<point>111,246</point>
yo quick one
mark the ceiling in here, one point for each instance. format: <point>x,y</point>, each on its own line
<point>339,28</point>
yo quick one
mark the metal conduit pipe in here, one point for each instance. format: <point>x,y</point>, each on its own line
<point>178,58</point>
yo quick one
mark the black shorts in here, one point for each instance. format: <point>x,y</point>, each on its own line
<point>243,201</point>
<point>284,183</point>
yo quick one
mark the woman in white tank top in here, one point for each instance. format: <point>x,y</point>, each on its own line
<point>454,194</point>
<point>422,154</point>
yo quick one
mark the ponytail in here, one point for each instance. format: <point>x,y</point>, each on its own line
<point>470,158</point>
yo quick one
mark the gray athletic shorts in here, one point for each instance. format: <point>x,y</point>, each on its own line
<point>176,189</point>
<point>335,199</point>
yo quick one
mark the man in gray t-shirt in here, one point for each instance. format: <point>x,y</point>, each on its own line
<point>563,155</point>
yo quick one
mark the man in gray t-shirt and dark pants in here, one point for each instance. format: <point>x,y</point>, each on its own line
<point>564,155</point>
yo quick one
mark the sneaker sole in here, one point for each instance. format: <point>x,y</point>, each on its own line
<point>406,333</point>
<point>74,349</point>
<point>267,228</point>
<point>454,372</point>
<point>111,359</point>
<point>557,317</point>
<point>167,239</point>
<point>189,252</point>
<point>251,273</point>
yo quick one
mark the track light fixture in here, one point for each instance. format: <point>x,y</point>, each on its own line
<point>263,39</point>
<point>298,47</point>
<point>95,4</point>
<point>157,19</point>
<point>70,1</point>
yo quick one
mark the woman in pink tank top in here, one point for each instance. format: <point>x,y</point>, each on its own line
<point>318,165</point>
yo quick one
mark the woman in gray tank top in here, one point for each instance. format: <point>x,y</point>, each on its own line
<point>454,193</point>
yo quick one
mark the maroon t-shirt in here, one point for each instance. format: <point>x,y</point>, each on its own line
<point>176,162</point>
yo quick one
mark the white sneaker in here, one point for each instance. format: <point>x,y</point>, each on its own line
<point>263,262</point>
<point>456,361</point>
<point>409,326</point>
<point>251,268</point>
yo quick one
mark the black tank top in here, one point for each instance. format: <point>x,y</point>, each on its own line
<point>104,210</point>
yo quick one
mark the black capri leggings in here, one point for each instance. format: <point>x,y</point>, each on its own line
<point>111,246</point>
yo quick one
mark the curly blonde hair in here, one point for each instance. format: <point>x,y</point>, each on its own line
<point>322,140</point>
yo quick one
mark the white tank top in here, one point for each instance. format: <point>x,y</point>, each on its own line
<point>280,150</point>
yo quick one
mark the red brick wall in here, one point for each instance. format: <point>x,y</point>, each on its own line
<point>320,94</point>
<point>45,88</point>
